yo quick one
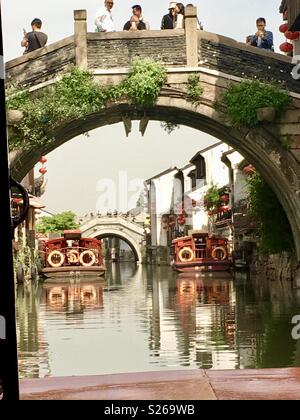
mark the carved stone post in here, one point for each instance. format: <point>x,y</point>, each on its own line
<point>80,26</point>
<point>191,35</point>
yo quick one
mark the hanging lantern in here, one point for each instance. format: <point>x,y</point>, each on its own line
<point>249,170</point>
<point>292,36</point>
<point>43,160</point>
<point>283,28</point>
<point>286,47</point>
<point>43,171</point>
<point>181,219</point>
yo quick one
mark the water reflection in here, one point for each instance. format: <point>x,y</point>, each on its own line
<point>139,319</point>
<point>73,298</point>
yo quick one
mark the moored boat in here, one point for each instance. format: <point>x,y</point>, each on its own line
<point>201,252</point>
<point>72,255</point>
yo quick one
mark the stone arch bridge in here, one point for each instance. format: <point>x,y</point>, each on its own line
<point>116,226</point>
<point>218,61</point>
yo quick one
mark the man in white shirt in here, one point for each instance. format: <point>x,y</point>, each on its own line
<point>104,21</point>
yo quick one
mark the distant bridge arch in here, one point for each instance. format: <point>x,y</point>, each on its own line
<point>117,227</point>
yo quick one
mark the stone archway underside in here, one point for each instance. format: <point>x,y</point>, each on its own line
<point>261,147</point>
<point>136,249</point>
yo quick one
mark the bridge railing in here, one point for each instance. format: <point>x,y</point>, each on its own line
<point>189,47</point>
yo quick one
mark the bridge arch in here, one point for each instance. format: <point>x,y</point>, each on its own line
<point>135,247</point>
<point>118,227</point>
<point>218,61</point>
<point>261,146</point>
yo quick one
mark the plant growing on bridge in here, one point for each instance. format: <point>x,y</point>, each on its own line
<point>144,82</point>
<point>76,96</point>
<point>169,126</point>
<point>242,101</point>
<point>194,89</point>
<point>274,228</point>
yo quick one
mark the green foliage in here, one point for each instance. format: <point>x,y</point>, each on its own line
<point>169,126</point>
<point>194,89</point>
<point>274,228</point>
<point>212,198</point>
<point>287,142</point>
<point>242,101</point>
<point>144,82</point>
<point>76,96</point>
<point>57,223</point>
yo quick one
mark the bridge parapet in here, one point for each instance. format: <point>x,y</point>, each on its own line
<point>189,48</point>
<point>115,221</point>
<point>237,59</point>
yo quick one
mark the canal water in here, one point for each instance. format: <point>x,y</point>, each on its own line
<point>147,319</point>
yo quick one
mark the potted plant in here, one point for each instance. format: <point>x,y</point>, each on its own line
<point>212,198</point>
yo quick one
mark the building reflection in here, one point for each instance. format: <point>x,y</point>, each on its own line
<point>32,345</point>
<point>207,319</point>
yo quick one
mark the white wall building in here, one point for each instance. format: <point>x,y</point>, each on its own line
<point>174,189</point>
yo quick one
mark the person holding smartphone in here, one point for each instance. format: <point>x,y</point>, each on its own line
<point>262,38</point>
<point>36,38</point>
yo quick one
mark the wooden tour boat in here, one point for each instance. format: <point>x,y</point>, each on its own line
<point>201,252</point>
<point>72,255</point>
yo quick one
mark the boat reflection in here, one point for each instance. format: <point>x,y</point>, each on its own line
<point>73,297</point>
<point>207,289</point>
<point>201,293</point>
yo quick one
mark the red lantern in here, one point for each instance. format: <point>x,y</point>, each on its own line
<point>43,171</point>
<point>286,47</point>
<point>181,219</point>
<point>249,170</point>
<point>283,28</point>
<point>43,160</point>
<point>292,36</point>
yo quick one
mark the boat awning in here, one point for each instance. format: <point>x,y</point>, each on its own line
<point>72,234</point>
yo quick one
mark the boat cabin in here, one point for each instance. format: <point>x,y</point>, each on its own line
<point>201,251</point>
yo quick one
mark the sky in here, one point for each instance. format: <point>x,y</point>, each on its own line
<point>107,154</point>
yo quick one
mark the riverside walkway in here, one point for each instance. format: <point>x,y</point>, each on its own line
<point>263,384</point>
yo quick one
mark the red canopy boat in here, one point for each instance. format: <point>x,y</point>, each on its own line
<point>72,254</point>
<point>201,252</point>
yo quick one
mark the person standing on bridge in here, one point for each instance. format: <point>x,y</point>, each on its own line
<point>262,38</point>
<point>179,16</point>
<point>137,11</point>
<point>134,24</point>
<point>104,21</point>
<point>169,19</point>
<point>36,38</point>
